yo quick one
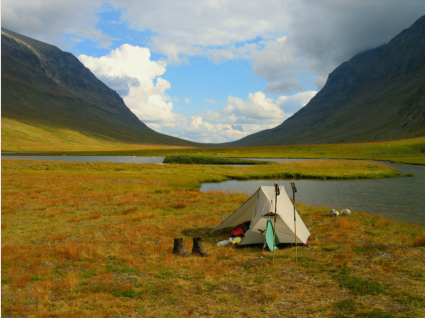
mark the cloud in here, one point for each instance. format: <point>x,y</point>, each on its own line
<point>285,40</point>
<point>204,23</point>
<point>211,101</point>
<point>323,34</point>
<point>129,70</point>
<point>291,104</point>
<point>49,20</point>
<point>293,45</point>
<point>239,117</point>
<point>257,107</point>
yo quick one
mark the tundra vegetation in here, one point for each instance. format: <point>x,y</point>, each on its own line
<point>203,160</point>
<point>402,151</point>
<point>95,240</point>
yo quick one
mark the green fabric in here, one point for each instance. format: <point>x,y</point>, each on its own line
<point>270,236</point>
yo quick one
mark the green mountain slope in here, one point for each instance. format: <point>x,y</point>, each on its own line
<point>49,89</point>
<point>377,95</point>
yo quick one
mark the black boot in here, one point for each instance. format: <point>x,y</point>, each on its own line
<point>178,247</point>
<point>197,247</point>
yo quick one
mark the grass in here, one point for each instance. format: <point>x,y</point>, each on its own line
<point>202,160</point>
<point>410,151</point>
<point>32,136</point>
<point>116,261</point>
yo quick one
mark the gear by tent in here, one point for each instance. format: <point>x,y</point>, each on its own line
<point>258,209</point>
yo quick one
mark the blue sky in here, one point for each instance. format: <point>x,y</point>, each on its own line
<point>212,70</point>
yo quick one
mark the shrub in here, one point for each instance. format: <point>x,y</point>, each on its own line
<point>419,241</point>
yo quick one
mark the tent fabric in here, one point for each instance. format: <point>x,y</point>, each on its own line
<point>257,208</point>
<point>272,242</point>
<point>239,216</point>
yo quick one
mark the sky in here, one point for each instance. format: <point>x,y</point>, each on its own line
<point>212,71</point>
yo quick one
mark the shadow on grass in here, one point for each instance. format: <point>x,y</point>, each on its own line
<point>351,308</point>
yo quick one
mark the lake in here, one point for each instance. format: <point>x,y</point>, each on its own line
<point>400,198</point>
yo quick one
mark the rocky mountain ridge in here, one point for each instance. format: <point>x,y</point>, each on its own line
<point>42,85</point>
<point>377,95</point>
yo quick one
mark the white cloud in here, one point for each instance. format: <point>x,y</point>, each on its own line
<point>291,104</point>
<point>130,70</point>
<point>211,101</point>
<point>239,117</point>
<point>257,107</point>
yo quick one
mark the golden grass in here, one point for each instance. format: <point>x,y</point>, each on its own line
<point>420,241</point>
<point>116,260</point>
<point>20,136</point>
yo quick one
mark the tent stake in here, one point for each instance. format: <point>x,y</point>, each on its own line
<point>294,189</point>
<point>277,192</point>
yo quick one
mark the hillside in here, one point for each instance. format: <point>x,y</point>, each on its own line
<point>377,95</point>
<point>49,93</point>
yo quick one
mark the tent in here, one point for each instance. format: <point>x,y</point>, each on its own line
<point>257,208</point>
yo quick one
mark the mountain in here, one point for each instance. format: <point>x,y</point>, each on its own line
<point>377,95</point>
<point>45,87</point>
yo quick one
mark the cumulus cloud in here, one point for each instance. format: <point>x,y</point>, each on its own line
<point>211,101</point>
<point>129,70</point>
<point>293,103</point>
<point>240,117</point>
<point>237,119</point>
<point>257,107</point>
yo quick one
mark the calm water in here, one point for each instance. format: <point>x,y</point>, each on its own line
<point>398,198</point>
<point>116,159</point>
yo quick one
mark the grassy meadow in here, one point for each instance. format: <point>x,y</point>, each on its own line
<point>95,240</point>
<point>410,151</point>
<point>35,136</point>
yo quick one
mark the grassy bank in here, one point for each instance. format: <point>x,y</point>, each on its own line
<point>402,151</point>
<point>95,240</point>
<point>202,160</point>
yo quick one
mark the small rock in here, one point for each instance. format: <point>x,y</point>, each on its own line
<point>334,212</point>
<point>345,212</point>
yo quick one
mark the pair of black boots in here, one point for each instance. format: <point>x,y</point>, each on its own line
<point>197,247</point>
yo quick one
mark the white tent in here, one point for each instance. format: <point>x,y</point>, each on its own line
<point>256,210</point>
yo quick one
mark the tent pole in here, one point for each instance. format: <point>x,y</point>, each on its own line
<point>277,192</point>
<point>294,189</point>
